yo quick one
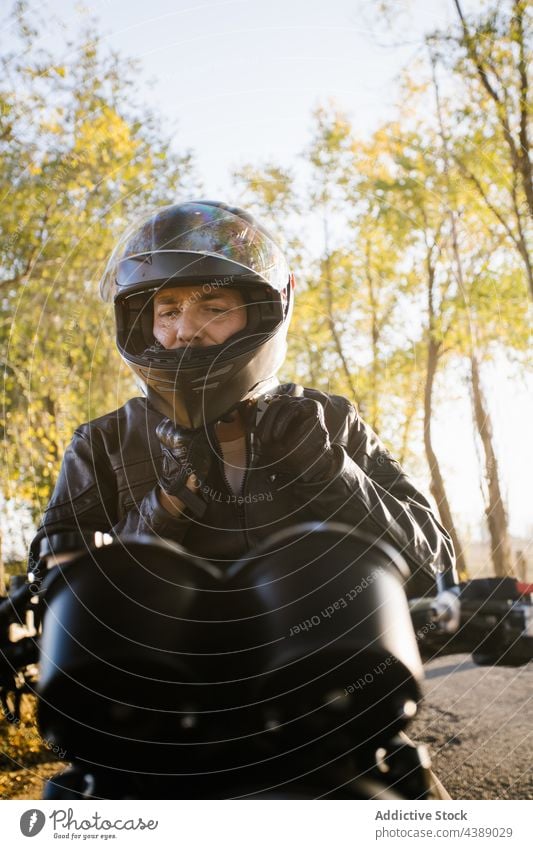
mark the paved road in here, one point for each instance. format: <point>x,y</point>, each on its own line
<point>478,725</point>
<point>476,721</point>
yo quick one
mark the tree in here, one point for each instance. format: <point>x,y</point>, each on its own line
<point>71,179</point>
<point>495,509</point>
<point>493,115</point>
<point>397,170</point>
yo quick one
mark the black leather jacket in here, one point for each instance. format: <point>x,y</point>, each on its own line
<point>109,476</point>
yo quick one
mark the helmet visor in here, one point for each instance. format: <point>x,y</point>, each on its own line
<point>153,252</point>
<point>148,323</point>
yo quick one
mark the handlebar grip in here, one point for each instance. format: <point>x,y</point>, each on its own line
<point>14,604</point>
<point>15,656</point>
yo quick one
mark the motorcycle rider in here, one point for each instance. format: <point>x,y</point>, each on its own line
<point>218,454</point>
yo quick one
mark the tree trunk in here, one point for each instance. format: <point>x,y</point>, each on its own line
<point>517,140</point>
<point>331,317</point>
<point>495,509</point>
<point>2,568</point>
<point>526,170</point>
<point>374,422</point>
<point>311,361</point>
<point>437,487</point>
<point>411,411</point>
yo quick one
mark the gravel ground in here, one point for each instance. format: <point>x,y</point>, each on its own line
<point>477,723</point>
<point>25,763</point>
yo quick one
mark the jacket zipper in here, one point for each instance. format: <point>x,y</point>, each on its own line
<point>242,506</point>
<point>249,457</point>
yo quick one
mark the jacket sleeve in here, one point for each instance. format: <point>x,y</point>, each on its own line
<point>85,499</point>
<point>371,492</point>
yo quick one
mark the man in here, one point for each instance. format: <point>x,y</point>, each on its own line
<point>218,455</point>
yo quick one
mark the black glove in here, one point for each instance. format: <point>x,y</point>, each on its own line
<point>185,453</point>
<point>292,433</point>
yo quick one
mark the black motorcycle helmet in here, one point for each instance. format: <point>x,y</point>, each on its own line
<point>210,244</point>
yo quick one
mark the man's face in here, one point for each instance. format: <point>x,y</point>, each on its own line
<point>197,315</point>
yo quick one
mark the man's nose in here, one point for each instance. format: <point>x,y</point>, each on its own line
<point>188,327</point>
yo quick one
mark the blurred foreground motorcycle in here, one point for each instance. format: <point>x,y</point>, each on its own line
<point>292,674</point>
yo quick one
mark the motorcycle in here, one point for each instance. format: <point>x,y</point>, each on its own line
<point>294,673</point>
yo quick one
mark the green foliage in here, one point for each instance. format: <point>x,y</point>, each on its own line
<point>488,57</point>
<point>407,252</point>
<point>70,179</point>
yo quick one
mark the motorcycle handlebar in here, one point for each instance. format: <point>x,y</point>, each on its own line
<point>489,618</point>
<point>14,605</point>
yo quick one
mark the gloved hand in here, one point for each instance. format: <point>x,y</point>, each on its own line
<point>293,435</point>
<point>186,453</point>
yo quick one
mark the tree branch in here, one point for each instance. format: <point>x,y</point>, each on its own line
<point>523,135</point>
<point>473,179</point>
<point>493,94</point>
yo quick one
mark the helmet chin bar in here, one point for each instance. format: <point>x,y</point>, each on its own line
<point>203,398</point>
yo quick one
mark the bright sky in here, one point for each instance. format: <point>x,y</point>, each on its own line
<point>242,76</point>
<point>240,79</point>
